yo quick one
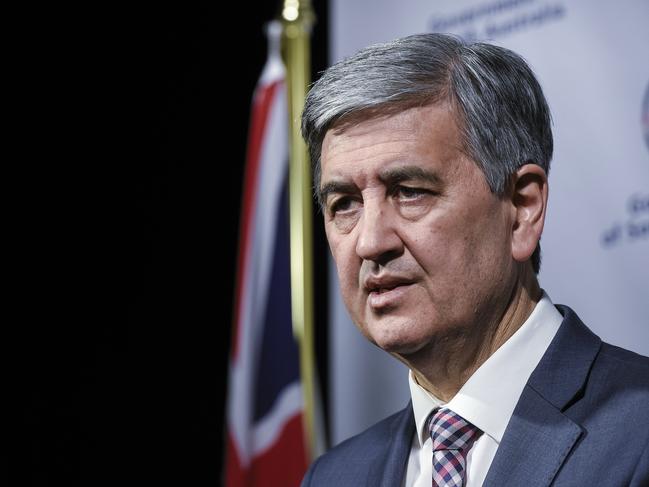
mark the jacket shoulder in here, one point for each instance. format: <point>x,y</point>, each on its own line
<point>623,374</point>
<point>362,456</point>
<point>626,358</point>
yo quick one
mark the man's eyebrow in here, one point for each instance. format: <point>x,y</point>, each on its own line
<point>388,177</point>
<point>336,187</point>
<point>396,175</point>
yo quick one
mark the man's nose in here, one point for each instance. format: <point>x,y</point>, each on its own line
<point>378,239</point>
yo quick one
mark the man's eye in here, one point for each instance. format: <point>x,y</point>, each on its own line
<point>406,192</point>
<point>341,204</point>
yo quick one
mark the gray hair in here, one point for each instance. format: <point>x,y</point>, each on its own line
<point>501,111</point>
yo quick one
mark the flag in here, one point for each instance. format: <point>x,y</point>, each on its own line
<point>265,434</point>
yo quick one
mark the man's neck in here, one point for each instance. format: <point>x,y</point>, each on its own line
<point>451,365</point>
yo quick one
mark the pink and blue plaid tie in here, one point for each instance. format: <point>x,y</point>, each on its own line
<point>452,438</point>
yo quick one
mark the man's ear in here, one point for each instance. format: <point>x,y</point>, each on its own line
<point>529,196</point>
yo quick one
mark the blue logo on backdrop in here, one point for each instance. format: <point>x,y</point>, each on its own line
<point>634,228</point>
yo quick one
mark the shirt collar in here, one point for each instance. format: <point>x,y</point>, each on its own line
<point>488,398</point>
<point>423,403</point>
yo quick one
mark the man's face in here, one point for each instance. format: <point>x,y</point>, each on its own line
<point>422,247</point>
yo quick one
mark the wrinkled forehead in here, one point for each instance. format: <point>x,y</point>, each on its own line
<point>367,114</point>
<point>433,124</point>
<point>422,137</point>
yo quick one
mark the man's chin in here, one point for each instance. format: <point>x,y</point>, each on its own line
<point>395,333</point>
<point>398,347</point>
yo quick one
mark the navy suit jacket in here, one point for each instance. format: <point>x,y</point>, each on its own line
<point>582,420</point>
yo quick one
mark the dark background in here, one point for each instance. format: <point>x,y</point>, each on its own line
<point>132,390</point>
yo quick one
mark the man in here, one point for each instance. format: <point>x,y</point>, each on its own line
<point>431,160</point>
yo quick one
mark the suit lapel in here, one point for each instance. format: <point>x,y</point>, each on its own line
<point>536,442</point>
<point>391,470</point>
<point>539,435</point>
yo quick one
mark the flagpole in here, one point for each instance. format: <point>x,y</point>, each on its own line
<point>297,19</point>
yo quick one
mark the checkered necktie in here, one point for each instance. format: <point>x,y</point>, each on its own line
<point>452,438</point>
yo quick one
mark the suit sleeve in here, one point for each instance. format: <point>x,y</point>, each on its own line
<point>307,480</point>
<point>641,473</point>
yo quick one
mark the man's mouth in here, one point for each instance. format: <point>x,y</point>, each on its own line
<point>381,290</point>
<point>387,294</point>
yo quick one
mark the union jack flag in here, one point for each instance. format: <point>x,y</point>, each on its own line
<point>265,438</point>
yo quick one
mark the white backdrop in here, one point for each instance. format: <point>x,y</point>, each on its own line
<point>592,59</point>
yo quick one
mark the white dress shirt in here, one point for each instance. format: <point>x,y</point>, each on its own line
<point>486,400</point>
